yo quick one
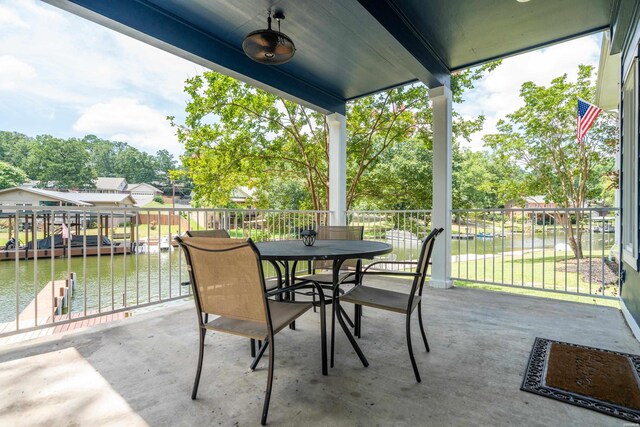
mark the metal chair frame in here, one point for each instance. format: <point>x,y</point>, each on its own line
<point>419,277</point>
<point>269,338</point>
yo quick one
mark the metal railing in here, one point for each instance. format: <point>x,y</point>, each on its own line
<point>526,248</point>
<point>119,259</point>
<point>568,250</point>
<point>111,260</point>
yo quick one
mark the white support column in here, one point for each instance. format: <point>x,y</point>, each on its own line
<point>441,206</point>
<point>337,168</point>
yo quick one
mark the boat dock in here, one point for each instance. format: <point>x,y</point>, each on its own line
<point>53,298</point>
<point>25,253</point>
<point>463,236</point>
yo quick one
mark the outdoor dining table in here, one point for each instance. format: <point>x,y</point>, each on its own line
<point>338,251</point>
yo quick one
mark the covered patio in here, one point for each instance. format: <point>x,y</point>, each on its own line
<point>139,370</point>
<point>349,49</point>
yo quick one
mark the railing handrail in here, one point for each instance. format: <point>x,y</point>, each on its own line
<point>145,209</point>
<point>351,211</point>
<point>537,209</point>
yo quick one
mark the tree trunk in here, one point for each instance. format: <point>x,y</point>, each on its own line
<point>574,236</point>
<point>576,246</point>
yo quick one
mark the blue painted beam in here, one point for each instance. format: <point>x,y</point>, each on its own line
<point>435,73</point>
<point>126,15</point>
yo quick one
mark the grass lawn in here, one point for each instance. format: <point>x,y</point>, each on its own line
<point>533,271</point>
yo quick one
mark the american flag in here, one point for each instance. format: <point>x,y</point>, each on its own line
<point>587,113</point>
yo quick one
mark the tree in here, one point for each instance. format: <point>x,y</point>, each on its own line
<point>480,180</point>
<point>14,148</point>
<point>11,176</point>
<point>401,179</point>
<point>135,166</point>
<point>236,135</point>
<point>64,162</point>
<point>541,137</point>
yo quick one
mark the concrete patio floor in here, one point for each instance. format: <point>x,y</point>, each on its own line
<point>139,370</point>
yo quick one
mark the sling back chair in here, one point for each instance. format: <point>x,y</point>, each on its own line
<point>228,282</point>
<point>394,301</point>
<point>222,234</point>
<point>335,232</point>
<point>218,234</point>
<point>321,271</point>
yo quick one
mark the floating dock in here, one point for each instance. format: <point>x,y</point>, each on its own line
<point>463,236</point>
<point>52,299</point>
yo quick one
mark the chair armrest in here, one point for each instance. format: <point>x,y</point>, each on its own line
<point>389,262</point>
<point>380,273</point>
<point>294,288</point>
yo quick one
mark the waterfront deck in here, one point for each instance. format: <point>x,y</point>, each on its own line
<point>139,371</point>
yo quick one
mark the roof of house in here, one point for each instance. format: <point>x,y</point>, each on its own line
<point>64,197</point>
<point>142,185</point>
<point>241,194</point>
<point>79,199</point>
<point>535,199</point>
<point>109,183</point>
<point>99,197</point>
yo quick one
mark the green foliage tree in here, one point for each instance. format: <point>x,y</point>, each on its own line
<point>135,165</point>
<point>74,163</point>
<point>11,176</point>
<point>14,148</point>
<point>64,162</point>
<point>236,135</point>
<point>401,179</point>
<point>541,137</point>
<point>480,180</point>
<point>282,194</point>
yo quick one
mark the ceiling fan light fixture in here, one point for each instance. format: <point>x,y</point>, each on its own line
<point>269,46</point>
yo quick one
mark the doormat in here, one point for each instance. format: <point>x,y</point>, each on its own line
<point>601,380</point>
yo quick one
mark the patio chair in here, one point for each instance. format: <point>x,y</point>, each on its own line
<point>321,271</point>
<point>228,282</point>
<point>218,234</point>
<point>349,270</point>
<point>394,301</point>
<point>223,234</point>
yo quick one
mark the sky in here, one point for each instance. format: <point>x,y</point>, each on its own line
<point>68,77</point>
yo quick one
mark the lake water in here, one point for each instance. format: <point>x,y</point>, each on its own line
<point>158,276</point>
<point>99,285</point>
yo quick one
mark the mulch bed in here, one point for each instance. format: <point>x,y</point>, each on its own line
<point>591,269</point>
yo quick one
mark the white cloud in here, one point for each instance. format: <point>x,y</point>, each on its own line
<point>14,73</point>
<point>498,94</point>
<point>62,64</point>
<point>125,119</point>
<point>10,19</point>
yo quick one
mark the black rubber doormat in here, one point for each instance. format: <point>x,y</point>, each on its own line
<point>601,380</point>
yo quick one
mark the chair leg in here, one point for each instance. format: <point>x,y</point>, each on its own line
<point>267,395</point>
<point>413,360</point>
<point>333,329</point>
<point>292,325</point>
<point>347,318</point>
<point>323,338</point>
<point>424,336</point>
<point>352,340</point>
<point>253,347</point>
<point>199,370</point>
<point>261,350</point>
<point>357,314</point>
